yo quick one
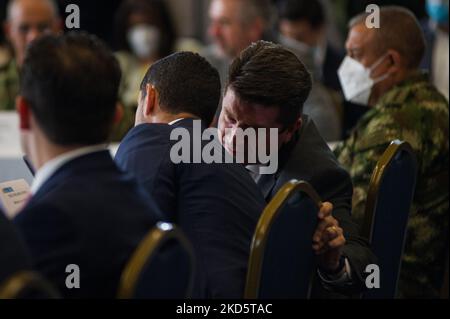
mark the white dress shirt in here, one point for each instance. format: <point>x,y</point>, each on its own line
<point>176,121</point>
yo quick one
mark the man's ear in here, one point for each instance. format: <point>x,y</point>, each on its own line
<point>257,29</point>
<point>23,109</point>
<point>396,62</point>
<point>292,129</point>
<point>58,26</point>
<point>118,115</point>
<point>7,29</point>
<point>150,101</point>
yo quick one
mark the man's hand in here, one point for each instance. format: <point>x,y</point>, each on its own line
<point>328,240</point>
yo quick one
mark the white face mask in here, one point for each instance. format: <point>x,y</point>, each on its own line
<point>356,81</point>
<point>144,40</point>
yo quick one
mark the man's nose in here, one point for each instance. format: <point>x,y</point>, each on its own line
<point>32,35</point>
<point>214,30</point>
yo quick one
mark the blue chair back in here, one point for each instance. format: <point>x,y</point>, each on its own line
<point>389,200</point>
<point>161,267</point>
<point>282,262</point>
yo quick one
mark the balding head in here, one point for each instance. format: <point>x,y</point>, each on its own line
<point>235,24</point>
<point>14,5</point>
<point>399,30</point>
<point>28,19</point>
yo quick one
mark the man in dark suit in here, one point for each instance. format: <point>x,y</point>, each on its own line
<point>85,216</point>
<point>217,205</point>
<point>14,256</point>
<point>267,88</point>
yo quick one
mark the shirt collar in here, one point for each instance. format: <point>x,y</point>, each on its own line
<point>176,121</point>
<point>49,168</point>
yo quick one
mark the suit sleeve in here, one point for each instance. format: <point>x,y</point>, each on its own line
<point>14,255</point>
<point>47,232</point>
<point>356,249</point>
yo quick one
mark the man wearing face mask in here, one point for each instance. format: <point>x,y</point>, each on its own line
<point>26,20</point>
<point>381,70</point>
<point>144,34</point>
<point>302,30</point>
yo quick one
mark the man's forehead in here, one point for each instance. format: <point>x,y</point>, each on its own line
<point>32,10</point>
<point>359,36</point>
<point>224,8</point>
<point>252,114</point>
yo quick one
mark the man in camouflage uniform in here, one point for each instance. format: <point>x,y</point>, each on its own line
<point>26,20</point>
<point>406,107</point>
<point>9,84</point>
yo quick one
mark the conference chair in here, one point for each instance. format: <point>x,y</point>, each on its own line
<point>389,198</point>
<point>27,285</point>
<point>160,268</point>
<point>282,262</point>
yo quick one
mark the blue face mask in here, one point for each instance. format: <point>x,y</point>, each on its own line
<point>437,11</point>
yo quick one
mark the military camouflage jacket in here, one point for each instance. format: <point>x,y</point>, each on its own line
<point>9,85</point>
<point>415,112</point>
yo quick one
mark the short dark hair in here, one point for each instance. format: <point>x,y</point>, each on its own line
<point>303,10</point>
<point>185,82</point>
<point>71,83</point>
<point>270,75</point>
<point>399,30</point>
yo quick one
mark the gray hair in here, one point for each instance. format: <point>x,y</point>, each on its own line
<point>400,31</point>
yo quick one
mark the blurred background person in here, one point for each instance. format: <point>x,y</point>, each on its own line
<point>26,20</point>
<point>233,26</point>
<point>304,23</point>
<point>144,34</point>
<point>302,28</point>
<point>436,33</point>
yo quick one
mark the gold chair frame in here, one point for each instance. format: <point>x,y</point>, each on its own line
<point>265,222</point>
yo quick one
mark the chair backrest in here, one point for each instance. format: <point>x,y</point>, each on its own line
<point>282,262</point>
<point>389,199</point>
<point>161,267</point>
<point>27,285</point>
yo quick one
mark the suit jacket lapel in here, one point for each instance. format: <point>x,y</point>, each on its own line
<point>266,184</point>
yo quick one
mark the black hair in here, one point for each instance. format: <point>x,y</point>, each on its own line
<point>310,11</point>
<point>71,83</point>
<point>185,82</point>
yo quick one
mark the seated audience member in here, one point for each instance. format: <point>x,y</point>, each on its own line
<point>14,256</point>
<point>26,20</point>
<point>267,88</point>
<point>302,30</point>
<point>144,34</point>
<point>234,25</point>
<point>304,23</point>
<point>83,211</point>
<point>217,205</point>
<point>404,105</point>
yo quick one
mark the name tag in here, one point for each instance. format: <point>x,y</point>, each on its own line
<point>13,196</point>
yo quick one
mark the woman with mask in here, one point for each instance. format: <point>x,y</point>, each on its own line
<point>144,34</point>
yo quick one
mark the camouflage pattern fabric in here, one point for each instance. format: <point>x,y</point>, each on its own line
<point>9,85</point>
<point>416,112</point>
